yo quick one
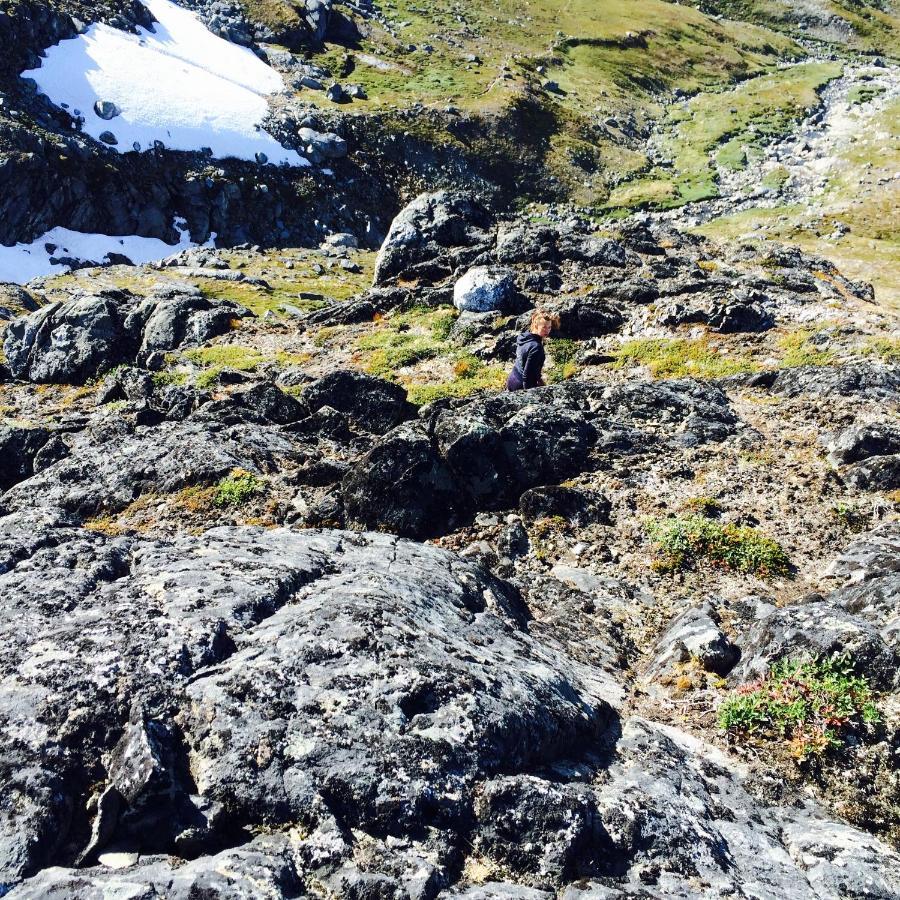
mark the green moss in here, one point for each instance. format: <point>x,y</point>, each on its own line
<point>237,488</point>
<point>814,704</point>
<point>682,358</point>
<point>227,356</point>
<point>684,542</point>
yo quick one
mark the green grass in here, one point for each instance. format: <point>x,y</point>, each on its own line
<point>470,375</point>
<point>887,349</point>
<point>684,542</point>
<point>813,704</point>
<point>682,358</point>
<point>406,338</point>
<point>863,93</point>
<point>727,124</point>
<point>563,352</point>
<point>236,489</point>
<point>798,349</point>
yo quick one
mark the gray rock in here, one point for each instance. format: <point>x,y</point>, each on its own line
<point>372,404</point>
<point>578,506</point>
<point>695,634</point>
<point>82,337</point>
<point>114,464</point>
<point>107,137</point>
<point>426,228</point>
<point>18,448</point>
<point>483,289</point>
<point>327,145</point>
<point>859,442</point>
<point>106,109</point>
<point>871,381</point>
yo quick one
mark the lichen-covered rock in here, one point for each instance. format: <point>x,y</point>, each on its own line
<point>378,679</point>
<point>695,634</point>
<point>873,381</point>
<point>75,340</point>
<point>372,404</point>
<point>426,228</point>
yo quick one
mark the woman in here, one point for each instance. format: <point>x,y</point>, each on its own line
<point>526,372</point>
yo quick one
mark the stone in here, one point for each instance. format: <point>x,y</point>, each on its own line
<point>869,380</point>
<point>578,506</point>
<point>336,94</point>
<point>695,634</point>
<point>76,340</point>
<point>401,485</point>
<point>860,442</point>
<point>328,145</point>
<point>426,228</point>
<point>372,404</point>
<point>107,137</point>
<point>483,289</point>
<point>107,110</point>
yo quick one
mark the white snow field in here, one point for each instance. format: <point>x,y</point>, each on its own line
<point>23,262</point>
<point>179,84</point>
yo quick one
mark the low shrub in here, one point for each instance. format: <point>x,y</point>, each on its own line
<point>814,704</point>
<point>683,542</point>
<point>236,489</point>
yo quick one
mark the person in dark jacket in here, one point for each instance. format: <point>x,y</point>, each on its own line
<point>526,373</point>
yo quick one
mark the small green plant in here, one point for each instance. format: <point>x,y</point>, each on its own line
<point>683,542</point>
<point>851,517</point>
<point>708,507</point>
<point>564,353</point>
<point>812,703</point>
<point>236,489</point>
<point>886,349</point>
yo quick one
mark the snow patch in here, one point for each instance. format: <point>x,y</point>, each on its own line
<point>178,84</point>
<point>23,262</point>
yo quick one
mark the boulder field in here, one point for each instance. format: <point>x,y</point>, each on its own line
<point>278,631</point>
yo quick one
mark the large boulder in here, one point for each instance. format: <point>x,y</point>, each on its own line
<point>402,485</point>
<point>111,465</point>
<point>426,228</point>
<point>485,289</point>
<point>297,675</point>
<point>485,453</point>
<point>372,404</point>
<point>69,342</point>
<point>859,619</point>
<point>871,454</point>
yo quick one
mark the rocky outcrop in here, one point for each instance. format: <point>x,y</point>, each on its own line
<point>431,648</point>
<point>484,454</point>
<point>859,620</point>
<point>871,380</point>
<point>72,341</point>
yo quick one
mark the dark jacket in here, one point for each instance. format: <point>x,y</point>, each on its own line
<point>529,359</point>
